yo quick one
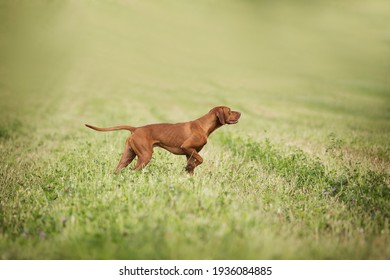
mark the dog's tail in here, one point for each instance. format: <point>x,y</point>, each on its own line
<point>120,127</point>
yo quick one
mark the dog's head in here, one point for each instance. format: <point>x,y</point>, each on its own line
<point>225,115</point>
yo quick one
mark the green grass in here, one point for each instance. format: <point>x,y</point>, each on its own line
<point>303,175</point>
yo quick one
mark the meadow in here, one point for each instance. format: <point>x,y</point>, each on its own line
<point>303,175</point>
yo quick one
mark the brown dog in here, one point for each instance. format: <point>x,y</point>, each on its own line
<point>186,138</point>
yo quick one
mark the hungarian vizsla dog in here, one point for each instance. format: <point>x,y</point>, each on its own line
<point>186,138</point>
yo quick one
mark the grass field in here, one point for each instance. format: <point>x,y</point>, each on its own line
<point>303,175</point>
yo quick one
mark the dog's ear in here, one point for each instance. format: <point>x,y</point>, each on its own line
<point>221,116</point>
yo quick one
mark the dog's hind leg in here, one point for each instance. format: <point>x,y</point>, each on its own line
<point>127,156</point>
<point>142,149</point>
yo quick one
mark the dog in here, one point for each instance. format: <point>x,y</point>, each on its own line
<point>185,138</point>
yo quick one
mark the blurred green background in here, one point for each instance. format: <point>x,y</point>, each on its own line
<point>285,60</point>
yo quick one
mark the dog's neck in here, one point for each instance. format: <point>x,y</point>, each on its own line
<point>208,124</point>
